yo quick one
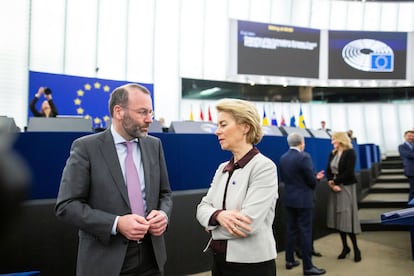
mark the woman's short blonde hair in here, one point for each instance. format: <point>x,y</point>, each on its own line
<point>243,112</point>
<point>343,139</point>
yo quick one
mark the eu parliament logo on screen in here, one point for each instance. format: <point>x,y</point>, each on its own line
<point>367,55</point>
<point>382,63</point>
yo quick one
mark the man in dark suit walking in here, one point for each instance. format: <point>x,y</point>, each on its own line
<point>94,193</point>
<point>406,151</point>
<point>297,174</point>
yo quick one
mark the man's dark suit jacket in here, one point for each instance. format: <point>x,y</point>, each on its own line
<point>299,177</point>
<point>407,155</point>
<point>93,192</point>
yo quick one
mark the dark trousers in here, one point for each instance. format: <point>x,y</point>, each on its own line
<point>223,268</point>
<point>299,219</point>
<point>140,260</point>
<point>297,246</point>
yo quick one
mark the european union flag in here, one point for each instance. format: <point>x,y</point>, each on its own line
<point>78,96</point>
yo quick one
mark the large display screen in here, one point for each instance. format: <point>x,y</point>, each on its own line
<point>367,55</point>
<point>276,50</point>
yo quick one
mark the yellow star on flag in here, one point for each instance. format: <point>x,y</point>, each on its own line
<point>87,86</point>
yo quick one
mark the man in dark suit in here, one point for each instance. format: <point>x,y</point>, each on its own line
<point>406,151</point>
<point>297,174</point>
<point>93,194</point>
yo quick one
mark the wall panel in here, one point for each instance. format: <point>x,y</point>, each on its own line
<point>47,41</point>
<point>355,121</point>
<point>192,39</point>
<point>389,17</point>
<point>405,17</point>
<point>81,38</point>
<point>389,130</point>
<point>216,44</point>
<point>167,83</point>
<point>14,52</point>
<point>239,9</point>
<point>280,12</point>
<point>372,17</point>
<point>404,118</point>
<point>260,10</point>
<point>112,39</point>
<point>338,16</point>
<point>140,41</point>
<point>354,16</point>
<point>300,13</point>
<point>373,124</point>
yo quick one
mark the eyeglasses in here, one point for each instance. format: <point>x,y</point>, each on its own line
<point>143,112</point>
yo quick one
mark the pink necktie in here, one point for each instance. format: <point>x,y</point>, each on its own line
<point>132,181</point>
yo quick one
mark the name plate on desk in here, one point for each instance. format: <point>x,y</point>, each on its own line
<point>67,124</point>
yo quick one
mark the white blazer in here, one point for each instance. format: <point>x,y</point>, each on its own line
<point>253,190</point>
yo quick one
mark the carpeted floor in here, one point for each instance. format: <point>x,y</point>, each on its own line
<point>385,253</point>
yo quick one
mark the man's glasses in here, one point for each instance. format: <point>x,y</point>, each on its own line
<point>143,112</point>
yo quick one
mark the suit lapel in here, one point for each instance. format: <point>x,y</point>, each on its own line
<point>110,156</point>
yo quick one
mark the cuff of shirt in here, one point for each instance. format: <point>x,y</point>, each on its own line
<point>114,232</point>
<point>165,214</point>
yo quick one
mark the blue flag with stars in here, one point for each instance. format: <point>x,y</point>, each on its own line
<point>78,96</point>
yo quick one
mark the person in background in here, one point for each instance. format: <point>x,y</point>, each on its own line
<point>323,125</point>
<point>239,207</point>
<point>351,136</point>
<point>162,121</point>
<point>163,124</point>
<point>342,210</point>
<point>121,230</point>
<point>406,151</point>
<point>324,128</point>
<point>297,173</point>
<point>48,108</point>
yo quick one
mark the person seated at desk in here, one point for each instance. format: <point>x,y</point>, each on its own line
<point>324,128</point>
<point>48,108</point>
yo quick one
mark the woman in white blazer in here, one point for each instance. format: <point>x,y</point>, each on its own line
<point>239,207</point>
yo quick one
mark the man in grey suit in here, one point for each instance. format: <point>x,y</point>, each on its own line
<point>93,194</point>
<point>296,170</point>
